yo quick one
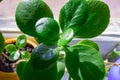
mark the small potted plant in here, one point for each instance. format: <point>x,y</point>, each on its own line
<point>12,52</point>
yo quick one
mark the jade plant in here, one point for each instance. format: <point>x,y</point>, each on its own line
<point>82,19</point>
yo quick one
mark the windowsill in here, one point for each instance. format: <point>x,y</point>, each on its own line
<point>106,41</point>
<point>8,25</point>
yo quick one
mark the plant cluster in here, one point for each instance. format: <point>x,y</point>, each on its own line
<point>17,50</point>
<point>77,19</point>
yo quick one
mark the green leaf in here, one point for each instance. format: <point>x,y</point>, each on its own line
<point>72,16</point>
<point>97,21</point>
<point>10,48</point>
<point>32,74</point>
<point>21,41</point>
<point>14,55</point>
<point>89,43</point>
<point>47,30</point>
<point>1,43</point>
<point>60,68</point>
<point>114,55</point>
<point>28,12</point>
<point>45,56</point>
<point>25,55</point>
<point>20,69</point>
<point>84,63</point>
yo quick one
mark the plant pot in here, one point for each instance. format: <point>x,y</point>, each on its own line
<point>13,75</point>
<point>8,76</point>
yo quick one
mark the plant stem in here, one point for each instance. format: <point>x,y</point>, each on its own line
<point>66,37</point>
<point>5,56</point>
<point>110,64</point>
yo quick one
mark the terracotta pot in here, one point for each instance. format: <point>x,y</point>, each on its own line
<point>13,40</point>
<point>13,75</point>
<point>8,76</point>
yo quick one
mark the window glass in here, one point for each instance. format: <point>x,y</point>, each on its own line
<point>7,12</point>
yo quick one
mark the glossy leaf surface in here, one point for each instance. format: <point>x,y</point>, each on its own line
<point>20,69</point>
<point>14,55</point>
<point>10,48</point>
<point>97,21</point>
<point>47,30</point>
<point>88,19</point>
<point>84,63</point>
<point>21,41</point>
<point>28,12</point>
<point>89,43</point>
<point>47,74</point>
<point>44,56</point>
<point>73,14</point>
<point>25,55</point>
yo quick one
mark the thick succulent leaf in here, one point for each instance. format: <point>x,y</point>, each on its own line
<point>47,30</point>
<point>10,48</point>
<point>14,55</point>
<point>89,43</point>
<point>28,12</point>
<point>97,21</point>
<point>1,43</point>
<point>45,56</point>
<point>73,14</point>
<point>20,69</point>
<point>84,63</point>
<point>25,55</point>
<point>21,41</point>
<point>33,74</point>
<point>60,68</point>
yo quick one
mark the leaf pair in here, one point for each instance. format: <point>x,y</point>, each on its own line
<point>35,18</point>
<point>87,19</point>
<point>84,62</point>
